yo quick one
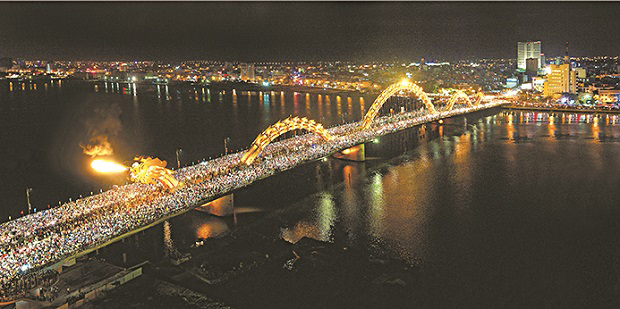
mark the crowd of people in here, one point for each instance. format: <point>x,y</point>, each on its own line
<point>20,286</point>
<point>31,243</point>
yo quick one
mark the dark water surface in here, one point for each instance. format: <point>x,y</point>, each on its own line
<point>42,126</point>
<point>512,209</point>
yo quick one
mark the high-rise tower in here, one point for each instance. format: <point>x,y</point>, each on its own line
<point>247,71</point>
<point>527,50</point>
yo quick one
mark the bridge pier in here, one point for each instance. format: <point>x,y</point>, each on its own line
<point>355,153</point>
<point>221,207</point>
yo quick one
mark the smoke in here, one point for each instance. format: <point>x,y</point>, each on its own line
<point>99,146</point>
<point>104,123</point>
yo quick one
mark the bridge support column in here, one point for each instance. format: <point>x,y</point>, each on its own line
<point>355,153</point>
<point>221,207</point>
<point>422,132</point>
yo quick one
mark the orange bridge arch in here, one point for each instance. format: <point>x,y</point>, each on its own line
<point>455,97</point>
<point>279,128</point>
<point>391,90</point>
<point>479,97</point>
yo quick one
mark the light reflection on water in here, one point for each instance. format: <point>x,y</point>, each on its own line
<point>519,195</point>
<point>155,121</point>
<point>439,202</point>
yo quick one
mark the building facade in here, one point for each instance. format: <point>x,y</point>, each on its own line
<point>609,95</point>
<point>531,67</point>
<point>527,50</point>
<point>561,79</point>
<point>247,72</point>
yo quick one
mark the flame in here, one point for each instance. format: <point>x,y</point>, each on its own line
<point>101,147</point>
<point>104,166</point>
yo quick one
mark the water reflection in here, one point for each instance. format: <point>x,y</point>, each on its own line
<point>476,200</point>
<point>210,229</point>
<point>308,110</point>
<point>296,103</point>
<point>351,207</point>
<point>377,206</point>
<point>362,108</point>
<point>328,105</point>
<point>339,106</point>
<point>415,208</point>
<point>320,103</point>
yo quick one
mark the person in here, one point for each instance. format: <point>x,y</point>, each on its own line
<point>40,239</point>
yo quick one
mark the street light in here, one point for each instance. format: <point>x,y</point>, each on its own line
<point>226,145</point>
<point>28,190</point>
<point>178,151</point>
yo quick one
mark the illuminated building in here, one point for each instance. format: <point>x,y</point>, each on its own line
<point>512,82</point>
<point>609,95</point>
<point>228,66</point>
<point>538,83</point>
<point>247,71</point>
<point>527,50</point>
<point>581,73</point>
<point>560,79</point>
<point>581,76</point>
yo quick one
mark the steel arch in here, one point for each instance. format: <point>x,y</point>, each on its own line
<point>279,128</point>
<point>391,90</point>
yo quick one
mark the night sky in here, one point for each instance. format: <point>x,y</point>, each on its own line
<point>280,31</point>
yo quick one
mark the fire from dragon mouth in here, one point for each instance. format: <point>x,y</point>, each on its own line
<point>105,166</point>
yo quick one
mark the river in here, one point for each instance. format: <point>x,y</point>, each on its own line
<point>508,209</point>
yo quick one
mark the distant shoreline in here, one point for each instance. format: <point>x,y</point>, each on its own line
<point>559,109</point>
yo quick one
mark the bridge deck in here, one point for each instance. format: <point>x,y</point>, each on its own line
<point>45,238</point>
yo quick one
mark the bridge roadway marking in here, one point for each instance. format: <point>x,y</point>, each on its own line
<point>206,200</point>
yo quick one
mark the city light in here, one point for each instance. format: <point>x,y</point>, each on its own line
<point>511,93</point>
<point>331,171</point>
<point>168,192</point>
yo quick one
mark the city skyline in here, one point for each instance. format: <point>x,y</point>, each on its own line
<point>309,154</point>
<point>257,31</point>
